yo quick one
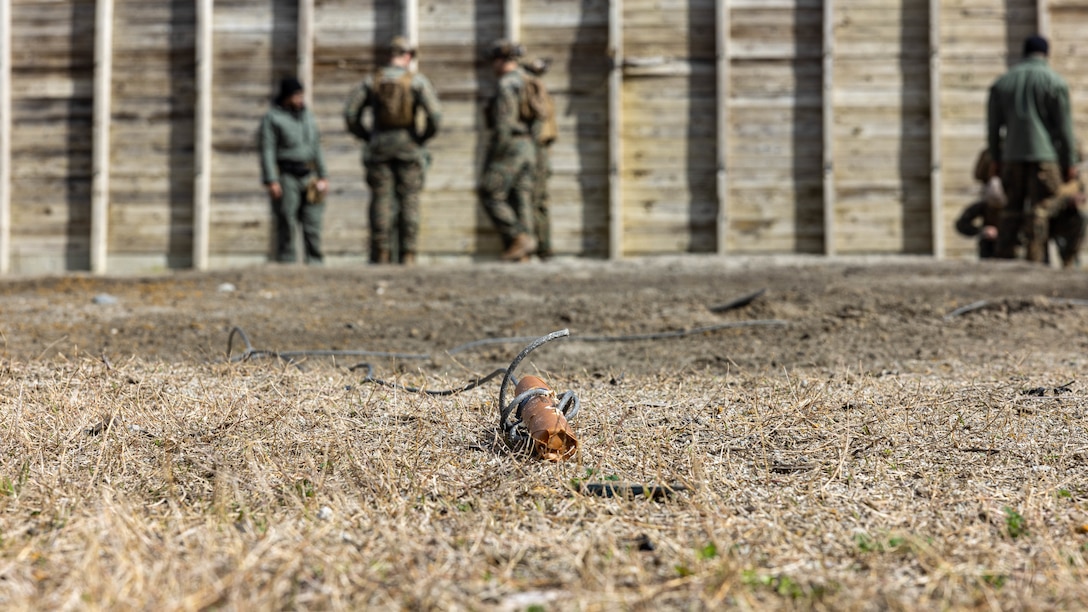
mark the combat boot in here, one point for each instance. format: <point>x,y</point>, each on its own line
<point>408,258</point>
<point>522,246</point>
<point>381,256</point>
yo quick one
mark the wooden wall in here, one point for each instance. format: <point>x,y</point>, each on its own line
<point>813,126</point>
<point>51,75</point>
<point>775,136</point>
<point>881,131</point>
<point>151,152</point>
<point>979,40</point>
<point>254,46</point>
<point>669,127</point>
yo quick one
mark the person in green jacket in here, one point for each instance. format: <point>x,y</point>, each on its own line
<point>395,153</point>
<point>293,171</point>
<point>1030,139</point>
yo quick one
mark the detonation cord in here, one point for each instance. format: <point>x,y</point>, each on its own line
<point>628,338</point>
<point>369,378</point>
<point>568,402</point>
<point>251,353</point>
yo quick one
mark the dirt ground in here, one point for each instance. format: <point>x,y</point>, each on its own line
<point>844,434</point>
<point>635,316</point>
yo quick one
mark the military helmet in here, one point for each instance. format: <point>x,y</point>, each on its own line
<point>505,49</point>
<point>401,45</point>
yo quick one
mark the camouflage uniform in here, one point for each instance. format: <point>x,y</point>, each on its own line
<point>507,185</point>
<point>541,222</point>
<point>396,161</point>
<point>1066,221</point>
<point>541,173</point>
<point>290,149</point>
<point>973,219</point>
<point>1030,135</point>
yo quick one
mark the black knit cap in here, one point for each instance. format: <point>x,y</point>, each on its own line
<point>288,87</point>
<point>1036,44</point>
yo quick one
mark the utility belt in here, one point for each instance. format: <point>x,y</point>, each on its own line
<point>378,131</point>
<point>295,168</point>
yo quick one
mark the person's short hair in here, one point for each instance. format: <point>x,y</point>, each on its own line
<point>1036,44</point>
<point>400,45</point>
<point>505,49</point>
<point>289,86</point>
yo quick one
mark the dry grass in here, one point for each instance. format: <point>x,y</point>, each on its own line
<point>261,486</point>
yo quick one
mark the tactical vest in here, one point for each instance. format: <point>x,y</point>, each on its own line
<point>395,106</point>
<point>537,108</point>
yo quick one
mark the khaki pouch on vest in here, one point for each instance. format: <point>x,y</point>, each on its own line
<point>313,194</point>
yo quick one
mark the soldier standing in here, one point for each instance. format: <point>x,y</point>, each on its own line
<point>506,186</point>
<point>293,171</point>
<point>544,135</point>
<point>394,154</point>
<point>1030,133</point>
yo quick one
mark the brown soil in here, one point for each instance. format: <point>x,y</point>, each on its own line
<point>871,314</point>
<point>847,440</point>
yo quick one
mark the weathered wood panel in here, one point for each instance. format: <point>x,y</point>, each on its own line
<point>151,182</point>
<point>881,79</point>
<point>1069,44</point>
<point>573,34</point>
<point>979,39</point>
<point>347,40</point>
<point>253,48</point>
<point>52,70</point>
<point>775,136</point>
<point>669,127</point>
<point>1069,47</point>
<point>880,101</point>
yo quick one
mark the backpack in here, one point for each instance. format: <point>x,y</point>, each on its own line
<point>396,102</point>
<point>537,108</point>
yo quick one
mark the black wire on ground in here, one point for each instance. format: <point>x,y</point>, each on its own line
<point>289,356</point>
<point>966,309</point>
<point>624,338</point>
<point>740,302</point>
<point>369,378</point>
<point>569,404</point>
<point>979,305</point>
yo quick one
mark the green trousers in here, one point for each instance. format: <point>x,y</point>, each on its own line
<point>291,211</point>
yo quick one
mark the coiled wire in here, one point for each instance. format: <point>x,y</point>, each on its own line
<point>568,402</point>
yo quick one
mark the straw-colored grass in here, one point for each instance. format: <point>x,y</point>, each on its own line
<point>262,486</point>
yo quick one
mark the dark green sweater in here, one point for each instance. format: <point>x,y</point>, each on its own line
<point>289,136</point>
<point>1031,103</point>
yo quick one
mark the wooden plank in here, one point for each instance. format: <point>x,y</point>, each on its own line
<point>5,136</point>
<point>304,54</point>
<point>936,184</point>
<point>512,19</point>
<point>51,142</point>
<point>100,181</point>
<point>202,127</point>
<point>828,123</point>
<point>722,40</point>
<point>616,16</point>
